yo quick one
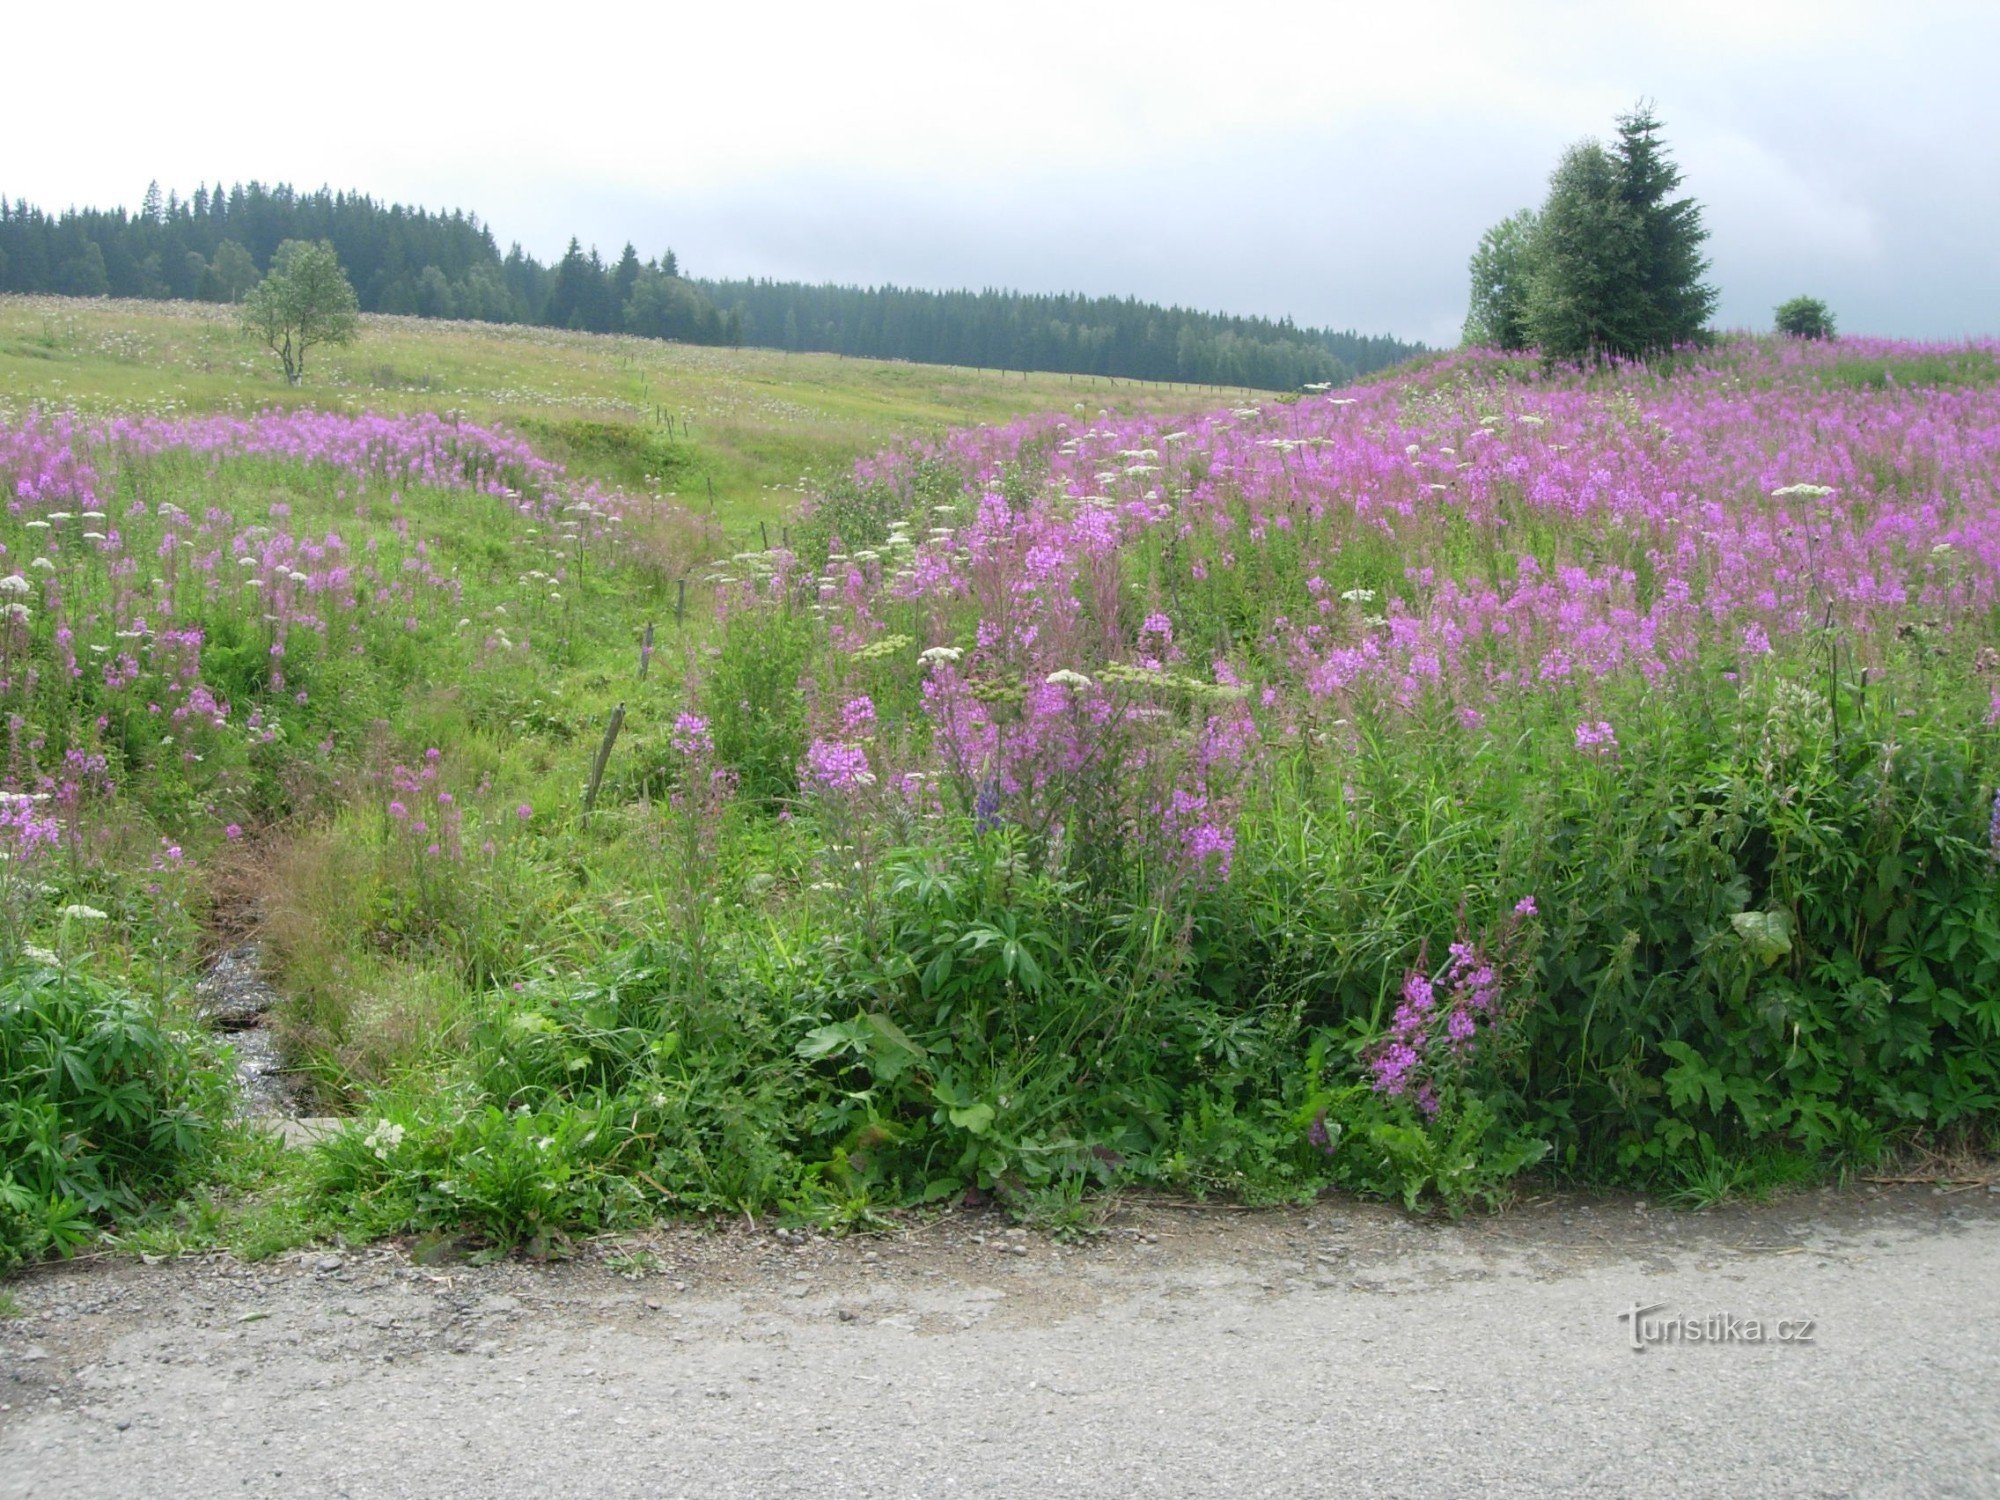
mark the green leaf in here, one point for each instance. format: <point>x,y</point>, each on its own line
<point>975,1119</point>
<point>1766,934</point>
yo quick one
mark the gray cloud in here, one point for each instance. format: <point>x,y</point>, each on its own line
<point>1334,163</point>
<point>1367,228</point>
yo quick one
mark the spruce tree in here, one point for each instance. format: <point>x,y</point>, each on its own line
<point>1673,304</point>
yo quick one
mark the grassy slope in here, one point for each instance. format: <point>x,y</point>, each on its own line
<point>752,421</point>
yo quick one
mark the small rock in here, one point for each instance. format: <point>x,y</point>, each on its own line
<point>328,1263</point>
<point>34,1351</point>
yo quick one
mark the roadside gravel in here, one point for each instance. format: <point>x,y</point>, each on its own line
<point>1184,1351</point>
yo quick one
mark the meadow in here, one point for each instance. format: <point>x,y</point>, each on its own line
<point>728,431</point>
<point>1482,770</point>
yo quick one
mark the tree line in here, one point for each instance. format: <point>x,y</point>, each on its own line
<point>216,245</point>
<point>1071,334</point>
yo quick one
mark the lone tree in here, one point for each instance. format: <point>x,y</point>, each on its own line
<point>1610,267</point>
<point>1805,318</point>
<point>304,301</point>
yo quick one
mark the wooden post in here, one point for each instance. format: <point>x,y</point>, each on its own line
<point>680,602</point>
<point>766,531</point>
<point>603,757</point>
<point>646,651</point>
<point>711,490</point>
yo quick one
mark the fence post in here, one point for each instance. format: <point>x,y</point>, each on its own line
<point>603,758</point>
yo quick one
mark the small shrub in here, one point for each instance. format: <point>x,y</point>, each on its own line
<point>104,1106</point>
<point>753,703</point>
<point>1805,318</point>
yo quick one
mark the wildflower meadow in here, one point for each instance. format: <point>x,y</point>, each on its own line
<point>1481,770</point>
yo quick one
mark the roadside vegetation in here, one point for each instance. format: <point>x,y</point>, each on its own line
<point>1490,768</point>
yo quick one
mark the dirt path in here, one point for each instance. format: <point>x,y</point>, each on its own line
<point>1184,1352</point>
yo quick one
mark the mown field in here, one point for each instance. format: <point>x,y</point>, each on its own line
<point>1484,770</point>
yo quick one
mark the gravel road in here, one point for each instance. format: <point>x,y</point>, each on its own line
<point>1184,1351</point>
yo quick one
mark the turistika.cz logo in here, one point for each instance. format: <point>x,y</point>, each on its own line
<point>1649,1326</point>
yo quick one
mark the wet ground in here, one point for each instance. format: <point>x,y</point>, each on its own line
<point>236,999</point>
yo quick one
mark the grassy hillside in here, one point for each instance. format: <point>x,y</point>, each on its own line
<point>749,422</point>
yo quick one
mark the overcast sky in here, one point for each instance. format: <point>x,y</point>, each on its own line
<point>1333,161</point>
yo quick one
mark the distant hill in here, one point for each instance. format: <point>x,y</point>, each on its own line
<point>213,247</point>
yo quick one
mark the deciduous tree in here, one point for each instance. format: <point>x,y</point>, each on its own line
<point>1501,265</point>
<point>304,302</point>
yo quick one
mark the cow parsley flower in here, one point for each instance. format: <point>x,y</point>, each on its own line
<point>384,1138</point>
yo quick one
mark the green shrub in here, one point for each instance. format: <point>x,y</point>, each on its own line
<point>753,701</point>
<point>1805,318</point>
<point>104,1107</point>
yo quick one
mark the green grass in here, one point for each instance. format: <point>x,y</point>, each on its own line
<point>750,422</point>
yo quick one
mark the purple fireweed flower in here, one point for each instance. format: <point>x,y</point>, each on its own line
<point>1596,738</point>
<point>1392,1068</point>
<point>836,767</point>
<point>857,717</point>
<point>690,737</point>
